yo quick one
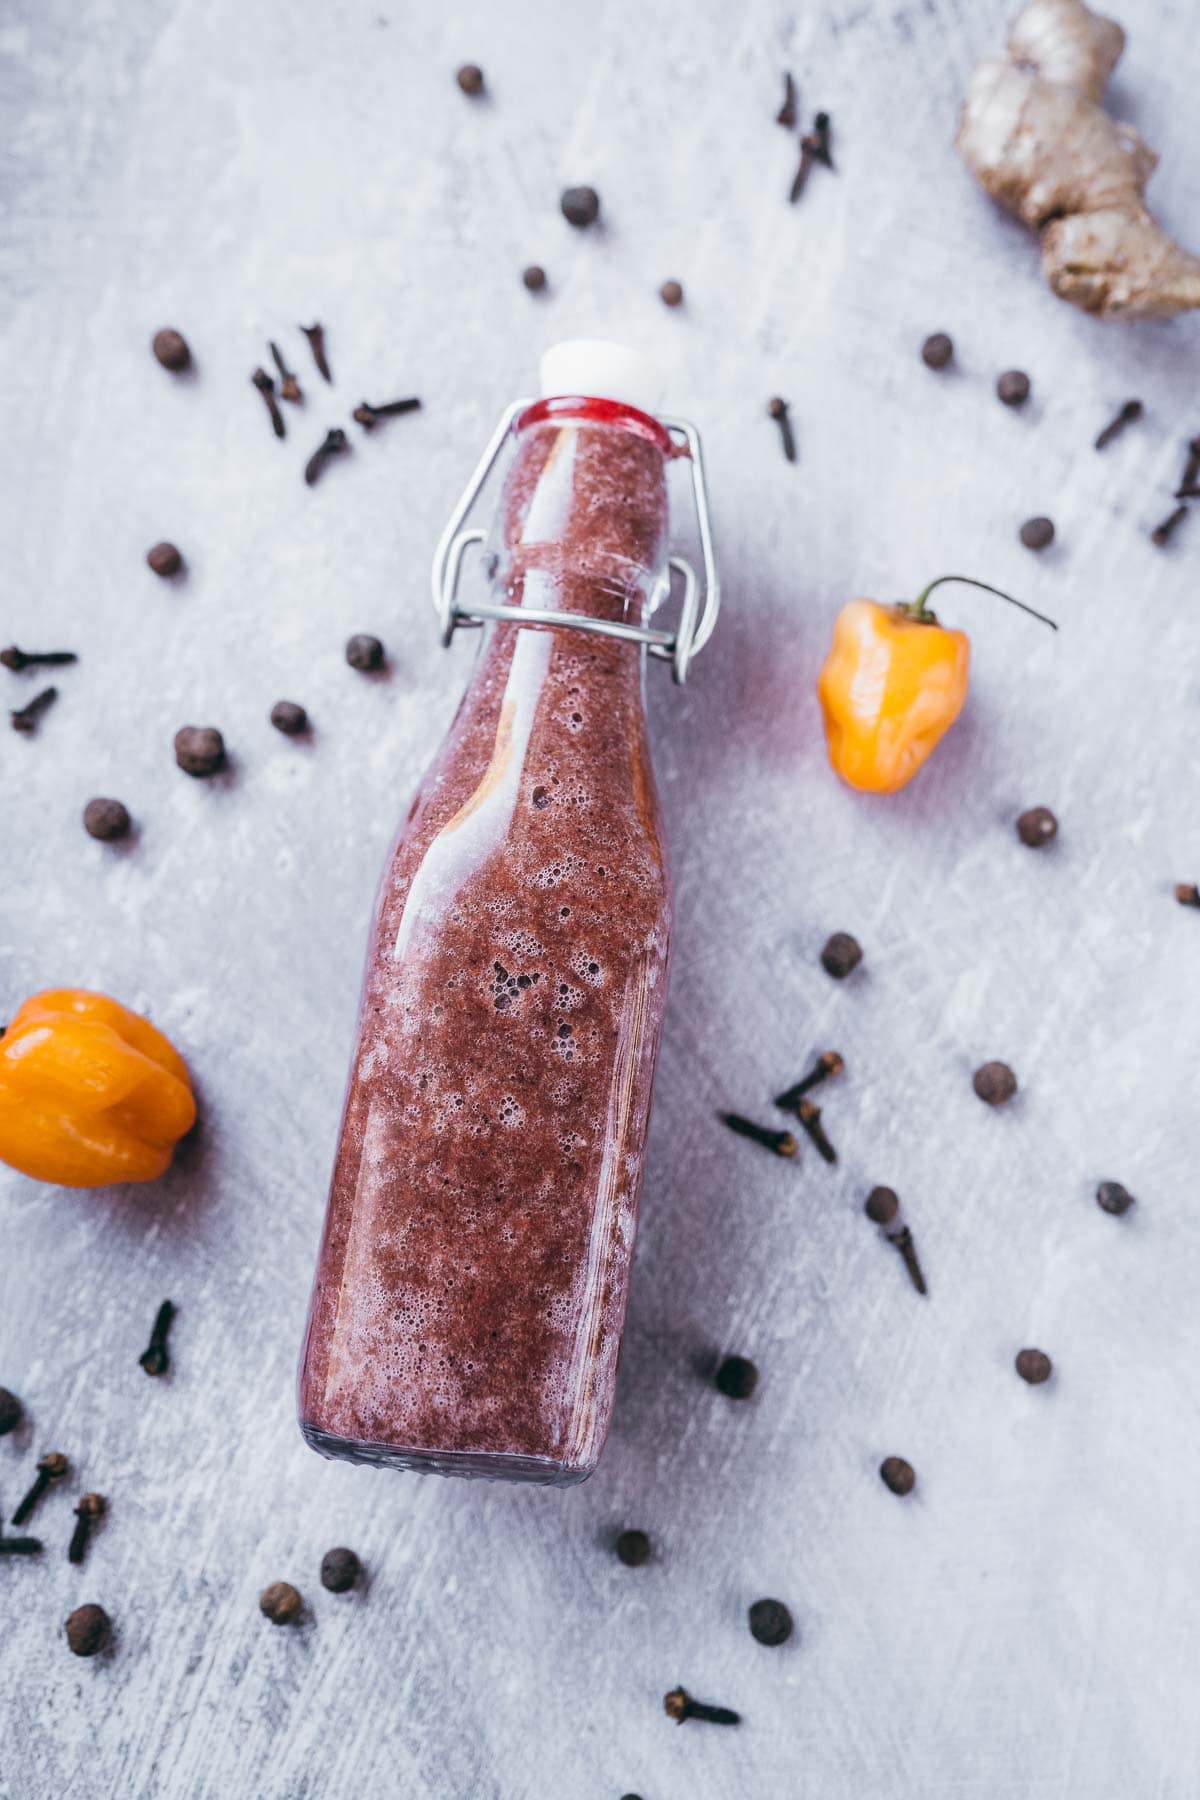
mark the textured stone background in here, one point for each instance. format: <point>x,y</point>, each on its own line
<point>1025,1625</point>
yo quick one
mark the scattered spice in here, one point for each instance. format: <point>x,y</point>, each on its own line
<point>778,410</point>
<point>1187,893</point>
<point>91,1507</point>
<point>786,116</point>
<point>1131,410</point>
<point>470,79</point>
<point>1037,534</point>
<point>814,148</point>
<point>316,343</point>
<point>368,415</point>
<point>782,1143</point>
<point>898,1475</point>
<point>770,1622</point>
<point>155,1358</point>
<point>841,955</point>
<point>1113,1197</point>
<point>281,1603</point>
<point>164,559</point>
<point>1012,388</point>
<point>12,658</point>
<point>333,444</point>
<point>671,293</point>
<point>1033,1366</point>
<point>937,351</point>
<point>20,1546</point>
<point>199,749</point>
<point>829,1063</point>
<point>106,820</point>
<point>580,206</point>
<point>87,1630</point>
<point>364,652</point>
<point>50,1469</point>
<point>266,387</point>
<point>736,1378</point>
<point>1037,826</point>
<point>633,1549</point>
<point>1188,488</point>
<point>995,1083</point>
<point>809,1115</point>
<point>534,278</point>
<point>679,1705</point>
<point>1163,532</point>
<point>26,717</point>
<point>289,717</point>
<point>882,1207</point>
<point>171,349</point>
<point>340,1569</point>
<point>11,1411</point>
<point>289,385</point>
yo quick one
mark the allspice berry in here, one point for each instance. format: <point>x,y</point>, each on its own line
<point>1037,534</point>
<point>633,1549</point>
<point>737,1378</point>
<point>671,293</point>
<point>1033,1366</point>
<point>580,206</point>
<point>10,1412</point>
<point>340,1569</point>
<point>937,351</point>
<point>770,1622</point>
<point>171,349</point>
<point>164,559</point>
<point>1113,1197</point>
<point>87,1630</point>
<point>281,1603</point>
<point>1037,827</point>
<point>898,1475</point>
<point>199,749</point>
<point>364,652</point>
<point>534,278</point>
<point>841,955</point>
<point>882,1205</point>
<point>1013,387</point>
<point>995,1083</point>
<point>289,717</point>
<point>470,79</point>
<point>106,820</point>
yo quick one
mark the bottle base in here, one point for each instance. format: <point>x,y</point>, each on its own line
<point>474,1465</point>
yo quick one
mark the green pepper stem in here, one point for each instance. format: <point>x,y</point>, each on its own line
<point>918,609</point>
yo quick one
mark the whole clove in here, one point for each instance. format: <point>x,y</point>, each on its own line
<point>783,1143</point>
<point>26,717</point>
<point>91,1507</point>
<point>1189,486</point>
<point>828,1064</point>
<point>199,750</point>
<point>12,658</point>
<point>841,955</point>
<point>340,1569</point>
<point>1114,1197</point>
<point>534,278</point>
<point>155,1358</point>
<point>778,410</point>
<point>679,1705</point>
<point>266,388</point>
<point>289,385</point>
<point>335,442</point>
<point>736,1378</point>
<point>809,1115</point>
<point>281,1603</point>
<point>50,1469</point>
<point>882,1207</point>
<point>1037,826</point>
<point>771,1622</point>
<point>786,116</point>
<point>903,1240</point>
<point>316,343</point>
<point>11,1412</point>
<point>580,206</point>
<point>1163,532</point>
<point>87,1630</point>
<point>1131,410</point>
<point>106,820</point>
<point>368,414</point>
<point>164,559</point>
<point>814,148</point>
<point>995,1083</point>
<point>470,79</point>
<point>20,1546</point>
<point>898,1475</point>
<point>937,352</point>
<point>1033,1366</point>
<point>1012,388</point>
<point>171,349</point>
<point>633,1548</point>
<point>1187,893</point>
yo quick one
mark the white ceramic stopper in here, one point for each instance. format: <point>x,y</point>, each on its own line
<point>601,371</point>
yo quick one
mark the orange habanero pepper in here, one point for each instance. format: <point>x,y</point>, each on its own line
<point>892,685</point>
<point>90,1093</point>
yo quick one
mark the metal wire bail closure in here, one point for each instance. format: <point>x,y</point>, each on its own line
<point>698,609</point>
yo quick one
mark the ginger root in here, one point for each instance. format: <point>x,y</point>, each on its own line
<point>1035,135</point>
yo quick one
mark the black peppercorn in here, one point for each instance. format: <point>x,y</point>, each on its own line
<point>171,349</point>
<point>770,1622</point>
<point>364,652</point>
<point>1013,387</point>
<point>87,1630</point>
<point>633,1549</point>
<point>289,717</point>
<point>737,1378</point>
<point>534,278</point>
<point>882,1205</point>
<point>841,955</point>
<point>995,1083</point>
<point>10,1412</point>
<point>937,350</point>
<point>340,1569</point>
<point>106,820</point>
<point>470,79</point>
<point>164,559</point>
<point>281,1603</point>
<point>671,293</point>
<point>1033,1366</point>
<point>1113,1197</point>
<point>1037,534</point>
<point>580,206</point>
<point>199,749</point>
<point>1037,826</point>
<point>898,1475</point>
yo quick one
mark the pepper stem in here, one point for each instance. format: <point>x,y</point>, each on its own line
<point>919,611</point>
